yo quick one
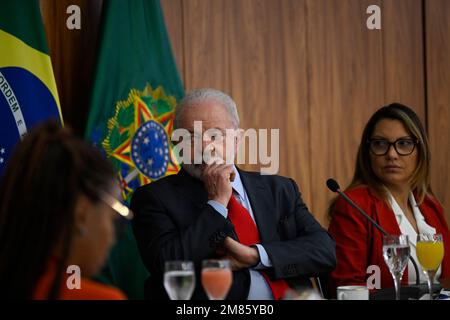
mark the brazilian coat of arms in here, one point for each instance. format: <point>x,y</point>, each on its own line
<point>138,138</point>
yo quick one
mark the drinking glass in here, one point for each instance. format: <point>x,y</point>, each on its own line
<point>430,252</point>
<point>179,279</point>
<point>396,252</point>
<point>216,278</point>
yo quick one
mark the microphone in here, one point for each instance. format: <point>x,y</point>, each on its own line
<point>334,187</point>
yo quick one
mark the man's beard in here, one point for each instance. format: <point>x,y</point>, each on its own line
<point>195,170</point>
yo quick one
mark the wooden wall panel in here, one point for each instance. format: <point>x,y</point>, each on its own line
<point>73,54</point>
<point>403,58</point>
<point>366,70</point>
<point>255,51</point>
<point>307,67</point>
<point>345,87</point>
<point>173,14</point>
<point>438,84</point>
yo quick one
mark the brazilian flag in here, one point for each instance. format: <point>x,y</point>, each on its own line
<point>28,92</point>
<point>135,91</point>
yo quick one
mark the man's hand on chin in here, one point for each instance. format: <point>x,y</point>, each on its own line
<point>217,179</point>
<point>240,256</point>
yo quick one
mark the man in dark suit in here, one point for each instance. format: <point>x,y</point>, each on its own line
<point>211,209</point>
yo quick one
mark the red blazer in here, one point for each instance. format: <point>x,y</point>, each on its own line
<point>359,244</point>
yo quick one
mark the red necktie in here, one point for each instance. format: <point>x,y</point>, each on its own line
<point>248,234</point>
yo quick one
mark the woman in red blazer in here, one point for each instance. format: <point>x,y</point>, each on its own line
<point>391,184</point>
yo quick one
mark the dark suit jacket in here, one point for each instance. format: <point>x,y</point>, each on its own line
<point>174,222</point>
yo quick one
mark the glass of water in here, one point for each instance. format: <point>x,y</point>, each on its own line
<point>396,252</point>
<point>179,279</point>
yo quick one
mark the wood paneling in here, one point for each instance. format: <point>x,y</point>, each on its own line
<point>345,87</point>
<point>310,68</point>
<point>245,48</point>
<point>173,13</point>
<point>73,54</point>
<point>353,72</point>
<point>403,59</point>
<point>438,84</point>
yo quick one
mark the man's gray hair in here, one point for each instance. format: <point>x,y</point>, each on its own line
<point>199,95</point>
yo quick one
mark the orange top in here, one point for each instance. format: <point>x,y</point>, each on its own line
<point>89,290</point>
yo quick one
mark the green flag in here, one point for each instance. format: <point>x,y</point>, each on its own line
<point>131,119</point>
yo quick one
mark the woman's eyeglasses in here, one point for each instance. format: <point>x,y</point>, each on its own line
<point>125,214</point>
<point>117,206</point>
<point>403,146</point>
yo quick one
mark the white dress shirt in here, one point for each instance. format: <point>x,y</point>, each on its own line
<point>407,229</point>
<point>259,288</point>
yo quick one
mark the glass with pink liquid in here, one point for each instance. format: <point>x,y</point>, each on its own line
<point>216,278</point>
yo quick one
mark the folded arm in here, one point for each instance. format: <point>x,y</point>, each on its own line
<point>160,240</point>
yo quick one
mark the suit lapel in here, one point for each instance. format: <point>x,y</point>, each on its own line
<point>263,208</point>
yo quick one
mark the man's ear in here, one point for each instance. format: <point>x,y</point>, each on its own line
<point>81,215</point>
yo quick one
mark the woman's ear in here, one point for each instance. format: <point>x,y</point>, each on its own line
<point>81,215</point>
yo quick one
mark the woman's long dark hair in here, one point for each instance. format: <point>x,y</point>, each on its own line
<point>46,174</point>
<point>364,175</point>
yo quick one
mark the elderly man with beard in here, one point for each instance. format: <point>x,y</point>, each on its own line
<point>214,210</point>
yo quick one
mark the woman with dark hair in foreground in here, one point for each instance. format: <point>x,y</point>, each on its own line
<point>57,210</point>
